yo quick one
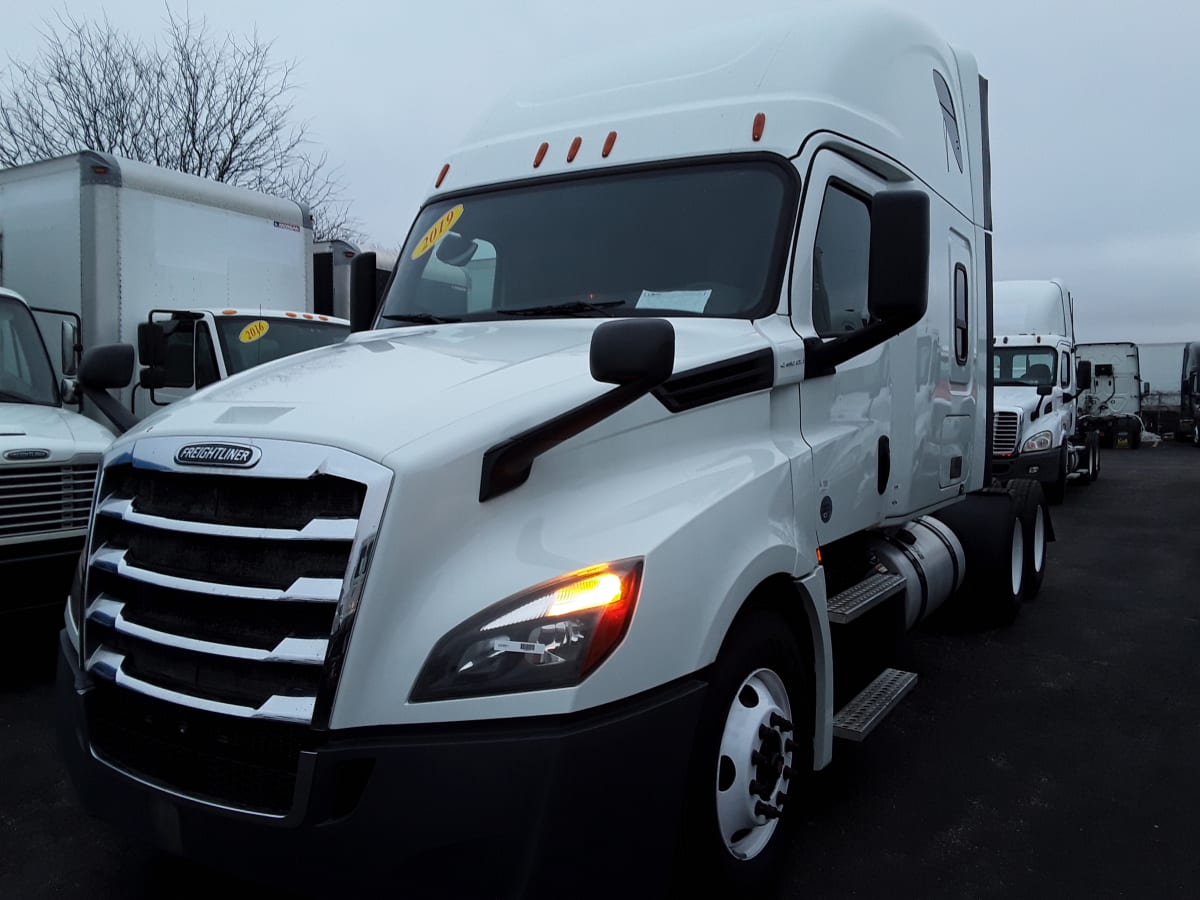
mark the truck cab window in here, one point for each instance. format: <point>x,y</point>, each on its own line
<point>1065,369</point>
<point>840,257</point>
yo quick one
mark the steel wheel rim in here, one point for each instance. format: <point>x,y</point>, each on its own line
<point>1039,539</point>
<point>756,753</point>
<point>1018,557</point>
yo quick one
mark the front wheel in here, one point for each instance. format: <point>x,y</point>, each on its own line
<point>1056,491</point>
<point>752,760</point>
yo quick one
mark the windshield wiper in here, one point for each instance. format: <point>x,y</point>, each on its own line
<point>576,307</point>
<point>419,318</point>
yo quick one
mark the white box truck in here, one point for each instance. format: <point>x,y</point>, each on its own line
<point>586,608</point>
<point>1112,406</point>
<point>49,456</point>
<point>121,243</point>
<point>1036,386</point>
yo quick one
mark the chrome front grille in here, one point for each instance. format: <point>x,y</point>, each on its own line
<point>45,499</point>
<point>229,591</point>
<point>1006,429</point>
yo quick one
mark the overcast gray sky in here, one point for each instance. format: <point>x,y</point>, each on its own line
<point>1093,115</point>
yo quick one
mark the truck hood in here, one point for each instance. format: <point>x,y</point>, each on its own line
<point>379,391</point>
<point>61,433</point>
<point>1018,399</point>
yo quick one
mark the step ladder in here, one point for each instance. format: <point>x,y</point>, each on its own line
<point>867,594</point>
<point>858,718</point>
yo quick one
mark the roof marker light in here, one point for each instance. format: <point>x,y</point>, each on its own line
<point>575,145</point>
<point>541,154</point>
<point>442,175</point>
<point>229,312</point>
<point>760,122</point>
<point>608,144</point>
<point>291,315</point>
<point>100,170</point>
<point>308,315</point>
<point>323,318</point>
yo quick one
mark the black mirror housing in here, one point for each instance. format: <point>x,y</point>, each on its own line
<point>363,294</point>
<point>152,345</point>
<point>898,272</point>
<point>153,377</point>
<point>107,367</point>
<point>1083,374</point>
<point>1045,390</point>
<point>633,351</point>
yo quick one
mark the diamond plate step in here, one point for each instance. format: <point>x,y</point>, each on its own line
<point>859,717</point>
<point>871,591</point>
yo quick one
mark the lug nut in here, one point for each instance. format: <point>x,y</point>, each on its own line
<point>757,759</point>
<point>766,810</point>
<point>780,722</point>
<point>760,790</point>
<point>789,745</point>
<point>765,733</point>
<point>787,772</point>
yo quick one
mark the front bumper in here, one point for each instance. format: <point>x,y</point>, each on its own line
<point>37,575</point>
<point>1042,465</point>
<point>587,804</point>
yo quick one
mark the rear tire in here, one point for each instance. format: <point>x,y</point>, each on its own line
<point>1035,523</point>
<point>993,538</point>
<point>729,847</point>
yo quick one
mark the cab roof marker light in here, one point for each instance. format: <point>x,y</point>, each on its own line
<point>608,144</point>
<point>541,154</point>
<point>442,175</point>
<point>229,312</point>
<point>291,315</point>
<point>760,123</point>
<point>574,151</point>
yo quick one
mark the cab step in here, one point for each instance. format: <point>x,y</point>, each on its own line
<point>870,592</point>
<point>858,718</point>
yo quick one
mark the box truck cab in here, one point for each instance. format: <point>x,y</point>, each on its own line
<point>675,416</point>
<point>49,455</point>
<point>181,351</point>
<point>1112,406</point>
<point>1035,387</point>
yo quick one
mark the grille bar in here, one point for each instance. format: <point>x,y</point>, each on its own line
<point>45,499</point>
<point>1006,429</point>
<point>315,530</point>
<point>316,590</point>
<point>107,611</point>
<point>109,666</point>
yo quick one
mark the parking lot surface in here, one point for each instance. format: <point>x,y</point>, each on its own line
<point>1056,757</point>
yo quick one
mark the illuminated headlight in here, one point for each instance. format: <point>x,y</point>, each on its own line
<point>550,636</point>
<point>74,615</point>
<point>1043,440</point>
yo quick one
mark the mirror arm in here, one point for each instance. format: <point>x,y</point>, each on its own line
<point>822,357</point>
<point>111,407</point>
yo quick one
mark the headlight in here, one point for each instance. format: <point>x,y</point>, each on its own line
<point>1043,440</point>
<point>550,636</point>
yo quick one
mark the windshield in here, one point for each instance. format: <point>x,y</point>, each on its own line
<point>1024,365</point>
<point>26,375</point>
<point>693,240</point>
<point>247,341</point>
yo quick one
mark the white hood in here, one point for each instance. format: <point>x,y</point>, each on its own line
<point>63,434</point>
<point>1018,399</point>
<point>382,390</point>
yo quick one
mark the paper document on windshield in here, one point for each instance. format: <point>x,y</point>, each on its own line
<point>685,301</point>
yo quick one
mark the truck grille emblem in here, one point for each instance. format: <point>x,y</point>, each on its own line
<point>231,455</point>
<point>26,455</point>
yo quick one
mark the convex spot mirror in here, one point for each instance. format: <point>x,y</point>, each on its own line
<point>456,250</point>
<point>633,351</point>
<point>70,349</point>
<point>1045,390</point>
<point>107,367</point>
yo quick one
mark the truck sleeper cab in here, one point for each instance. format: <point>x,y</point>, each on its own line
<point>702,400</point>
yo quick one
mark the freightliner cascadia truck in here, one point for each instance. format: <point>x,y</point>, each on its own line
<point>569,571</point>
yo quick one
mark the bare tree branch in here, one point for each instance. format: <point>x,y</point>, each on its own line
<point>216,107</point>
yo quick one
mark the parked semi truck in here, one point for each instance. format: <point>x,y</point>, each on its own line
<point>1036,430</point>
<point>1189,395</point>
<point>123,244</point>
<point>1112,405</point>
<point>603,592</point>
<point>49,456</point>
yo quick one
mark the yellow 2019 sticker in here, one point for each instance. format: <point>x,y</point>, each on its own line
<point>253,331</point>
<point>437,232</point>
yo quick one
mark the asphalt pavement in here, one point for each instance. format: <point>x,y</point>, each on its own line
<point>1056,757</point>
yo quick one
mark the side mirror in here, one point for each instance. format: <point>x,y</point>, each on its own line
<point>898,272</point>
<point>363,294</point>
<point>70,348</point>
<point>1083,374</point>
<point>69,389</point>
<point>152,344</point>
<point>104,368</point>
<point>1145,389</point>
<point>1045,390</point>
<point>633,351</point>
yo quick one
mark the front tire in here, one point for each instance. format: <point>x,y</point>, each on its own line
<point>1056,491</point>
<point>752,760</point>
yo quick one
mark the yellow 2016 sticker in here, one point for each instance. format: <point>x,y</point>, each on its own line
<point>253,331</point>
<point>437,232</point>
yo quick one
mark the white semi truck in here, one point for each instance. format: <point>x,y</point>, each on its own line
<point>1113,404</point>
<point>569,575</point>
<point>49,456</point>
<point>1036,383</point>
<point>123,244</point>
